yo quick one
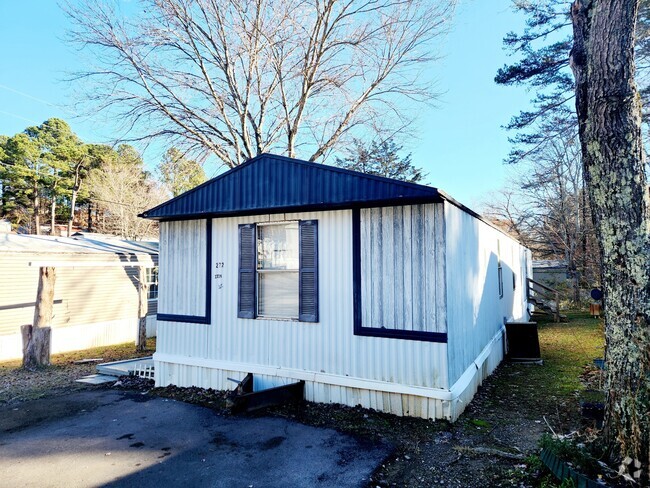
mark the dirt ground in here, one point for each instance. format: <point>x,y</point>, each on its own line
<point>494,442</point>
<point>18,385</point>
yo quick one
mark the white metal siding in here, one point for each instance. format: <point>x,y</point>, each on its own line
<point>328,346</point>
<point>99,304</point>
<point>182,268</point>
<point>475,313</point>
<point>315,391</point>
<point>403,268</point>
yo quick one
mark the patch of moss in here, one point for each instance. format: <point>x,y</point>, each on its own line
<point>479,423</point>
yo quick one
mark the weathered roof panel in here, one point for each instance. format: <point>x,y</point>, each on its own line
<point>97,247</point>
<point>270,183</point>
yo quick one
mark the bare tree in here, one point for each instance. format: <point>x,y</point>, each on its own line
<point>236,78</point>
<point>122,191</point>
<point>508,210</point>
<point>546,208</point>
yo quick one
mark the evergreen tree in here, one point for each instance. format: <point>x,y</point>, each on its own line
<point>178,173</point>
<point>381,159</point>
<point>23,178</point>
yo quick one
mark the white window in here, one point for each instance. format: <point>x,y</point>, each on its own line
<point>278,270</point>
<point>499,269</point>
<point>151,275</point>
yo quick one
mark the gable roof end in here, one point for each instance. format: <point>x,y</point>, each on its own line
<point>270,183</point>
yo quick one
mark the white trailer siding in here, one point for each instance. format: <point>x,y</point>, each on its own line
<point>475,312</point>
<point>409,308</point>
<point>94,306</point>
<point>443,262</point>
<point>283,349</point>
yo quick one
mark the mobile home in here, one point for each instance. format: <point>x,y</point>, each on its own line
<point>375,292</point>
<point>95,296</point>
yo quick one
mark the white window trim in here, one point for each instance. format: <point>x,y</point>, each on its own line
<point>259,272</point>
<point>149,283</point>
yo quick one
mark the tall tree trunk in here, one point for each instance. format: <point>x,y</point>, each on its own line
<point>36,337</point>
<point>90,216</point>
<point>143,308</point>
<point>53,217</point>
<point>609,115</point>
<point>37,210</point>
<point>75,191</point>
<point>584,234</point>
<point>73,203</point>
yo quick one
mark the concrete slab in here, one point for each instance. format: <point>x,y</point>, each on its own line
<point>127,439</point>
<point>96,379</point>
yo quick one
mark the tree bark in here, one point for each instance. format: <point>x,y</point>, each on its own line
<point>90,216</point>
<point>75,191</point>
<point>73,202</point>
<point>143,308</point>
<point>36,337</point>
<point>53,217</point>
<point>37,210</point>
<point>609,114</point>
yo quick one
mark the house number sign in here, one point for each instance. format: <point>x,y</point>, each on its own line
<point>218,266</point>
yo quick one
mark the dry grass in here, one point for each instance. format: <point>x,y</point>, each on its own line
<point>18,384</point>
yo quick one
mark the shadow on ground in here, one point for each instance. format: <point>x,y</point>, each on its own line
<point>112,438</point>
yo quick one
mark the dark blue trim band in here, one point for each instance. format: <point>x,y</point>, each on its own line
<point>190,319</point>
<point>197,319</point>
<point>356,269</point>
<point>359,329</point>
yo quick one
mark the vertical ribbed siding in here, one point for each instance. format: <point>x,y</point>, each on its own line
<point>275,182</point>
<point>98,305</point>
<point>326,346</point>
<point>395,403</point>
<point>190,340</point>
<point>182,268</point>
<point>475,313</point>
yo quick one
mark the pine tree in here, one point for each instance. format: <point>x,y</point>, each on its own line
<point>382,159</point>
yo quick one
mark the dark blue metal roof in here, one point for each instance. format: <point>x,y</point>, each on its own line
<point>270,183</point>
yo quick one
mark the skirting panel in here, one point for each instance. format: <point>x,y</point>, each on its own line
<point>427,403</point>
<point>396,403</point>
<point>483,366</point>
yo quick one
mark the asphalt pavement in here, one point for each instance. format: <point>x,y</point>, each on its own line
<point>114,438</point>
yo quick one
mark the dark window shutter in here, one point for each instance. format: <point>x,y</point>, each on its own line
<point>246,308</point>
<point>308,271</point>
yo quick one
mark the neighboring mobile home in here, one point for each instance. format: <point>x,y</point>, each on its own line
<point>373,291</point>
<point>551,272</point>
<point>94,305</point>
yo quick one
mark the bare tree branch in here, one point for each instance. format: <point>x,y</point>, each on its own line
<point>236,78</point>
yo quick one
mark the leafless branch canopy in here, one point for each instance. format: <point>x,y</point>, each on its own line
<point>236,78</point>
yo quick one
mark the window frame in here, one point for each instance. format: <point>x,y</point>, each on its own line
<point>149,273</point>
<point>260,272</point>
<point>500,275</point>
<point>499,269</point>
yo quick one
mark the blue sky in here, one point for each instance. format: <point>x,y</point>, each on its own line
<point>459,142</point>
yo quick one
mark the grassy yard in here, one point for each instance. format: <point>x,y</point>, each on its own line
<point>17,384</point>
<point>566,348</point>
